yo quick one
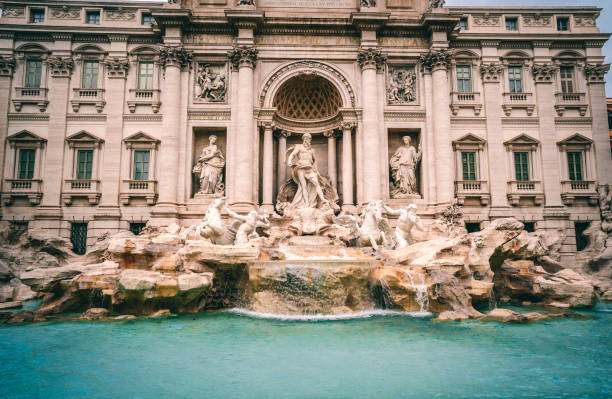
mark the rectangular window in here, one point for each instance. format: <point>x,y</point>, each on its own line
<point>33,73</point>
<point>464,79</point>
<point>84,164</point>
<point>145,75</point>
<point>26,164</point>
<point>515,79</point>
<point>463,24</point>
<point>521,166</point>
<point>147,19</point>
<point>511,24</point>
<point>136,228</point>
<point>574,164</point>
<point>567,79</point>
<point>562,24</point>
<point>468,162</point>
<point>92,17</point>
<point>37,15</point>
<point>90,74</point>
<point>141,165</point>
<point>78,238</point>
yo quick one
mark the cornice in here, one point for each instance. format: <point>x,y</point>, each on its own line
<point>28,117</point>
<point>574,121</point>
<point>212,114</point>
<point>520,121</point>
<point>143,118</point>
<point>86,117</point>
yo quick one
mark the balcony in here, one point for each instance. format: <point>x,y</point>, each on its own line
<point>465,100</point>
<point>472,189</point>
<point>146,189</point>
<point>572,189</point>
<point>81,188</point>
<point>93,97</point>
<point>525,189</point>
<point>565,101</point>
<point>30,188</point>
<point>518,101</point>
<point>31,95</point>
<point>144,97</point>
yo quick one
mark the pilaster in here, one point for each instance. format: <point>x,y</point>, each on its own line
<point>7,68</point>
<point>595,74</point>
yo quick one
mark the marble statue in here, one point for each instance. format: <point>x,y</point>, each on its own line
<point>403,166</point>
<point>368,3</point>
<point>247,230</point>
<point>209,168</point>
<point>436,3</point>
<point>211,227</point>
<point>304,173</point>
<point>406,221</point>
<point>370,228</point>
<point>212,86</point>
<point>402,86</point>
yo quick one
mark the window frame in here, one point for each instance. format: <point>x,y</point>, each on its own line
<point>33,9</point>
<point>521,80</point>
<point>465,67</point>
<point>83,140</point>
<point>567,20</point>
<point>24,139</point>
<point>145,14</point>
<point>140,63</point>
<point>30,170</point>
<point>582,144</point>
<point>514,19</point>
<point>466,174</point>
<point>463,23</point>
<point>26,72</point>
<point>94,82</point>
<point>96,12</point>
<point>88,174</point>
<point>518,176</point>
<point>136,151</point>
<point>578,167</point>
<point>564,80</point>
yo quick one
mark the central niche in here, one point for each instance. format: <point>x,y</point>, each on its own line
<point>307,97</point>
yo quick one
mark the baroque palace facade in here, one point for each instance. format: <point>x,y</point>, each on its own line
<point>118,113</point>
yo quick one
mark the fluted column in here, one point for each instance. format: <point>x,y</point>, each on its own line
<point>347,165</point>
<point>173,60</point>
<point>595,74</point>
<point>282,150</point>
<point>331,158</point>
<point>369,60</point>
<point>268,164</point>
<point>438,63</point>
<point>244,58</point>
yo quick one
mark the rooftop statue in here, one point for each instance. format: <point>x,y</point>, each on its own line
<point>210,168</point>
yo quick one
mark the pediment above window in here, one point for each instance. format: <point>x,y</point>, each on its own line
<point>84,138</point>
<point>469,141</point>
<point>141,139</point>
<point>25,137</point>
<point>575,140</point>
<point>522,140</point>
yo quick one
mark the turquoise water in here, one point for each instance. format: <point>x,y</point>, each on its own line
<point>225,355</point>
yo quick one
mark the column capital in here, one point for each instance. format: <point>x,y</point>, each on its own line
<point>60,67</point>
<point>543,73</point>
<point>435,60</point>
<point>330,134</point>
<point>491,73</point>
<point>243,56</point>
<point>175,56</point>
<point>347,125</point>
<point>371,58</point>
<point>7,65</point>
<point>117,67</point>
<point>282,133</point>
<point>267,125</point>
<point>595,73</point>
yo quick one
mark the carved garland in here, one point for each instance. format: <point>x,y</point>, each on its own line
<point>65,12</point>
<point>13,12</point>
<point>596,72</point>
<point>120,14</point>
<point>175,56</point>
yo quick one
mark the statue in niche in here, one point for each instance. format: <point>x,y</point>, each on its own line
<point>403,170</point>
<point>211,84</point>
<point>368,3</point>
<point>406,221</point>
<point>209,168</point>
<point>402,86</point>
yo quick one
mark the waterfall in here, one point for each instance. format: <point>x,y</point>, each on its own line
<point>492,300</point>
<point>420,290</point>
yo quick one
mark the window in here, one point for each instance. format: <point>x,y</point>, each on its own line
<point>472,227</point>
<point>84,164</point>
<point>515,79</point>
<point>147,19</point>
<point>463,23</point>
<point>136,228</point>
<point>145,75</point>
<point>141,165</point>
<point>521,166</point>
<point>37,15</point>
<point>464,79</point>
<point>78,238</point>
<point>33,73</point>
<point>92,17</point>
<point>574,164</point>
<point>511,24</point>
<point>562,24</point>
<point>468,162</point>
<point>581,241</point>
<point>529,227</point>
<point>609,119</point>
<point>567,79</point>
<point>90,74</point>
<point>26,164</point>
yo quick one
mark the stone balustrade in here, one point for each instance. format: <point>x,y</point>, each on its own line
<point>81,188</point>
<point>146,189</point>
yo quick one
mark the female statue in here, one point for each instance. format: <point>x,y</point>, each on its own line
<point>210,168</point>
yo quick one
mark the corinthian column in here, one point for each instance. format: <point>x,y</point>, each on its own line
<point>438,62</point>
<point>268,164</point>
<point>369,60</point>
<point>331,158</point>
<point>347,166</point>
<point>7,67</point>
<point>597,99</point>
<point>282,150</point>
<point>244,58</point>
<point>173,60</point>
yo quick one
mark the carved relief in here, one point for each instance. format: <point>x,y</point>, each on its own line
<point>7,66</point>
<point>371,58</point>
<point>486,20</point>
<point>60,67</point>
<point>536,20</point>
<point>13,12</point>
<point>403,170</point>
<point>584,21</point>
<point>491,72</point>
<point>401,88</point>
<point>117,67</point>
<point>243,55</point>
<point>435,60</point>
<point>543,72</point>
<point>120,14</point>
<point>65,12</point>
<point>595,73</point>
<point>211,85</point>
<point>175,56</point>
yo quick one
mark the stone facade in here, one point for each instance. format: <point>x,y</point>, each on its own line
<point>109,105</point>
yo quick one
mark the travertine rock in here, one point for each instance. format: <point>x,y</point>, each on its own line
<point>94,314</point>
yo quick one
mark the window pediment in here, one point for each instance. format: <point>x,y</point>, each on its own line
<point>575,140</point>
<point>141,139</point>
<point>469,141</point>
<point>522,140</point>
<point>25,137</point>
<point>84,138</point>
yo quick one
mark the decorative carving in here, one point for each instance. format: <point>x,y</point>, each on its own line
<point>491,72</point>
<point>436,4</point>
<point>435,60</point>
<point>60,67</point>
<point>7,66</point>
<point>13,12</point>
<point>605,207</point>
<point>120,14</point>
<point>245,3</point>
<point>543,73</point>
<point>175,56</point>
<point>403,170</point>
<point>209,169</point>
<point>211,84</point>
<point>536,20</point>
<point>584,21</point>
<point>306,98</point>
<point>117,67</point>
<point>368,3</point>
<point>371,58</point>
<point>346,125</point>
<point>402,85</point>
<point>248,225</point>
<point>243,56</point>
<point>211,227</point>
<point>65,12</point>
<point>406,221</point>
<point>595,73</point>
<point>486,20</point>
